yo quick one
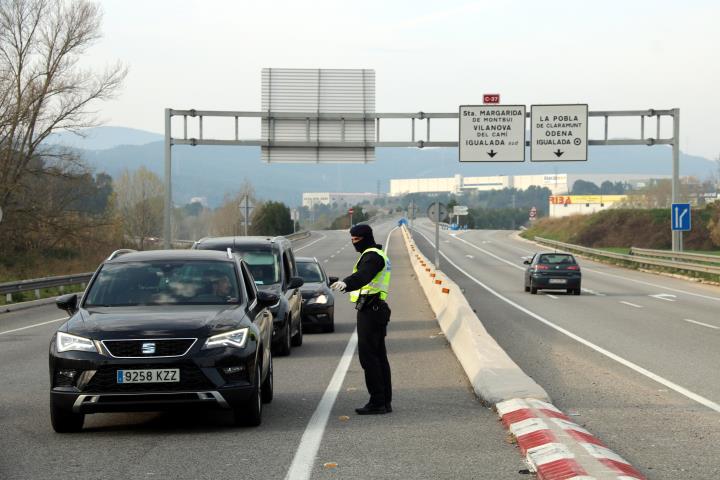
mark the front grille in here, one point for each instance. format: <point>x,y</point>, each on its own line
<point>170,347</point>
<point>105,380</point>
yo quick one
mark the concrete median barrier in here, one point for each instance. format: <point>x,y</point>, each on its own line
<point>554,447</point>
<point>495,377</point>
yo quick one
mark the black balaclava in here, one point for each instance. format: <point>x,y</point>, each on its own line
<point>364,231</point>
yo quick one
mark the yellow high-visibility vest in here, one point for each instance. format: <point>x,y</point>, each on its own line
<point>380,284</point>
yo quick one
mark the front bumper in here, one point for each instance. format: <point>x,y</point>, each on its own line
<point>204,382</point>
<point>318,314</point>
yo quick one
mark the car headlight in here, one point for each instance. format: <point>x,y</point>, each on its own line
<point>319,299</point>
<point>66,343</point>
<point>236,338</point>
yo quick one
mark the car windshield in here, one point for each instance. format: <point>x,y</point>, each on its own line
<point>164,283</point>
<point>310,272</point>
<point>264,265</point>
<point>557,259</point>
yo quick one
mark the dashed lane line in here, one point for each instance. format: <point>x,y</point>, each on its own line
<point>701,323</point>
<point>631,365</point>
<point>33,326</point>
<point>630,304</point>
<point>322,237</point>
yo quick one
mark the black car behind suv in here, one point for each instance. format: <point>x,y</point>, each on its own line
<point>318,300</point>
<point>162,329</point>
<point>272,263</point>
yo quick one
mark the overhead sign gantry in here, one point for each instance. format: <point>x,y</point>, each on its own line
<point>320,127</point>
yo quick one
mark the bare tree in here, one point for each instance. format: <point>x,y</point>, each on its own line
<point>42,85</point>
<point>228,218</point>
<point>139,201</point>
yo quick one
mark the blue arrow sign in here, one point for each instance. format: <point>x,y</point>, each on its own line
<point>680,216</point>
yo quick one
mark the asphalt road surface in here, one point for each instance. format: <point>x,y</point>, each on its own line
<point>438,428</point>
<point>635,358</point>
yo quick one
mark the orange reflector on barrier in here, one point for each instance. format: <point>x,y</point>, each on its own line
<point>438,282</point>
<point>445,290</point>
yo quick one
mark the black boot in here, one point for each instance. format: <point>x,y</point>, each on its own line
<point>371,409</point>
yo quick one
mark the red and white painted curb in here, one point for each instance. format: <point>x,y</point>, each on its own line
<point>557,448</point>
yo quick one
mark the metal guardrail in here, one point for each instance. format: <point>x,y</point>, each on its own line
<point>692,267</point>
<point>8,288</point>
<point>646,252</point>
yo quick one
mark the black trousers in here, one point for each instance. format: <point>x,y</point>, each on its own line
<point>372,329</point>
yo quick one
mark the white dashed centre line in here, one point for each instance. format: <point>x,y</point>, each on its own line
<point>701,323</point>
<point>630,304</point>
<point>33,326</point>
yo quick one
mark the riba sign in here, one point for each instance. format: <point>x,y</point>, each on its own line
<point>492,133</point>
<point>558,133</point>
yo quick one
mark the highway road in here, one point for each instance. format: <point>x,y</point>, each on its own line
<point>438,428</point>
<point>635,358</point>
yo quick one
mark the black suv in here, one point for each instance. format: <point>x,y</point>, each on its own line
<point>272,263</point>
<point>161,329</point>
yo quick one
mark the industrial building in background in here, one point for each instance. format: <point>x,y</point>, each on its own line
<point>557,183</point>
<point>310,199</point>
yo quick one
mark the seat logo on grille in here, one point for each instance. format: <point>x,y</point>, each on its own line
<point>148,348</point>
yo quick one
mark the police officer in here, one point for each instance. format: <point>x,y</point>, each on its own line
<point>368,286</point>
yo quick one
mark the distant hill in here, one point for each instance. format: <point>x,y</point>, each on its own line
<point>212,171</point>
<point>103,138</point>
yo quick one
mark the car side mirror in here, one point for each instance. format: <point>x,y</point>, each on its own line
<point>526,262</point>
<point>332,280</point>
<point>67,302</point>
<point>267,299</point>
<point>296,282</point>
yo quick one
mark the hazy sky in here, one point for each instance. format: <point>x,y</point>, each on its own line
<point>430,56</point>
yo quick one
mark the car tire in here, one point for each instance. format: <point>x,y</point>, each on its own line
<point>533,290</point>
<point>249,413</point>
<point>285,344</point>
<point>267,385</point>
<point>577,291</point>
<point>65,421</point>
<point>527,289</point>
<point>297,339</point>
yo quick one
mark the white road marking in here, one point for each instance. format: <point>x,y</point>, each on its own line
<point>332,256</point>
<point>323,237</point>
<point>668,297</point>
<point>701,323</point>
<point>630,304</point>
<point>633,366</point>
<point>593,292</point>
<point>551,296</point>
<point>663,287</point>
<point>304,459</point>
<point>470,257</point>
<point>33,326</point>
<point>487,253</point>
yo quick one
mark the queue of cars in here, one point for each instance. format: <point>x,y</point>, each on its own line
<point>166,329</point>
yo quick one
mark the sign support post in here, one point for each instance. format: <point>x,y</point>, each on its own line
<point>677,235</point>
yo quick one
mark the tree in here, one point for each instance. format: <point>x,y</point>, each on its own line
<point>272,218</point>
<point>582,187</point>
<point>139,201</point>
<point>43,89</point>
